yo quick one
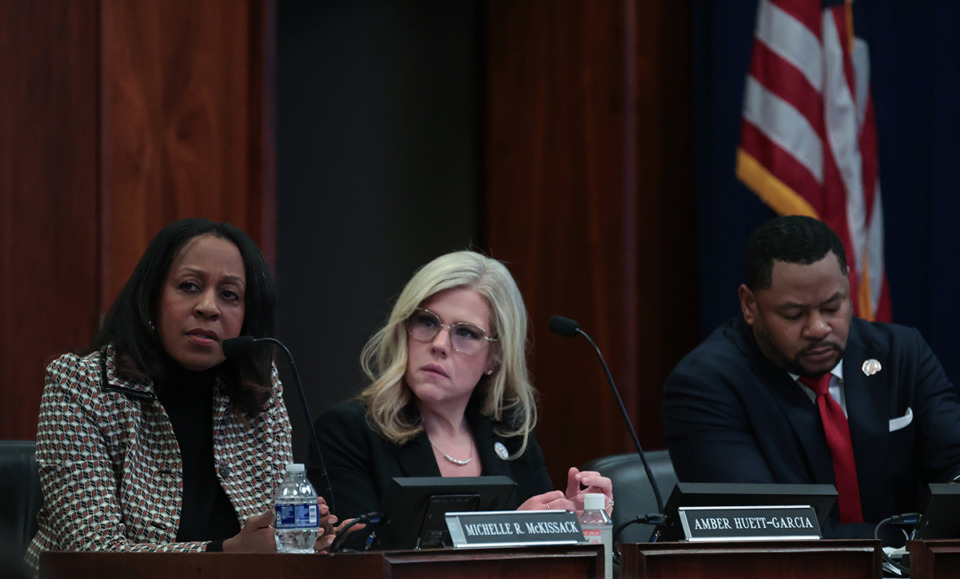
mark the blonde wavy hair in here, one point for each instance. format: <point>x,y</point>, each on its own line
<point>507,397</point>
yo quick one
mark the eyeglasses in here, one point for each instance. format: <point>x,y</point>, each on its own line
<point>424,325</point>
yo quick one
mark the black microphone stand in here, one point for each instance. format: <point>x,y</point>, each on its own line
<point>306,411</point>
<point>567,327</point>
<point>626,417</point>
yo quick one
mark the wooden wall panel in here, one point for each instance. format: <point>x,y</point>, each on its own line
<point>555,203</point>
<point>589,198</point>
<point>185,121</point>
<point>116,118</point>
<point>48,195</point>
<point>667,325</point>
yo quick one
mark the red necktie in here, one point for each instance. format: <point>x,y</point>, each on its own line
<point>837,429</point>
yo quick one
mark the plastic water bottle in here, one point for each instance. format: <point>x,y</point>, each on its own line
<point>598,528</point>
<point>297,512</point>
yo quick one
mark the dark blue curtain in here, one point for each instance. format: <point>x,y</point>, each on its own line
<point>915,69</point>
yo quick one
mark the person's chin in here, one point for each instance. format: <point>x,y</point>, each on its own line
<point>426,391</point>
<point>196,363</point>
<point>815,365</point>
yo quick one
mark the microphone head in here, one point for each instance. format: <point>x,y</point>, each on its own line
<point>564,326</point>
<point>238,346</point>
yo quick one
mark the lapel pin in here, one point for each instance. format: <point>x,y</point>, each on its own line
<point>871,367</point>
<point>501,451</point>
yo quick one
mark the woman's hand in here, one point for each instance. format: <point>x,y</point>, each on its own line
<point>256,536</point>
<point>553,500</point>
<point>592,482</point>
<point>572,499</point>
<point>348,525</point>
<point>328,532</point>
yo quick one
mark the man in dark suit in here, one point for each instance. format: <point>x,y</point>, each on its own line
<point>878,416</point>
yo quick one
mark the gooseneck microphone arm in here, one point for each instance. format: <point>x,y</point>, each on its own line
<point>243,344</point>
<point>567,327</point>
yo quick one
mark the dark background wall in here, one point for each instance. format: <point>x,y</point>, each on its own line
<point>555,136</point>
<point>378,169</point>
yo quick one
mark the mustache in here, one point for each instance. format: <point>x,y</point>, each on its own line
<point>824,344</point>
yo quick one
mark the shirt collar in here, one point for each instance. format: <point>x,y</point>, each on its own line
<point>837,372</point>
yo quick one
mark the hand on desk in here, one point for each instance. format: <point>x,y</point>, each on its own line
<point>553,500</point>
<point>572,499</point>
<point>256,536</point>
<point>328,530</point>
<point>258,533</point>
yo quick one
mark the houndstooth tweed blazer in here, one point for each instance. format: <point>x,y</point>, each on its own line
<point>110,465</point>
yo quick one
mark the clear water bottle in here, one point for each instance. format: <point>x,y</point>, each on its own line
<point>297,512</point>
<point>598,528</point>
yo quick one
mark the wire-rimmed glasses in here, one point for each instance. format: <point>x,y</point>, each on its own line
<point>424,325</point>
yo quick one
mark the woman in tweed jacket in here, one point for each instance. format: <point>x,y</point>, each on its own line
<point>151,440</point>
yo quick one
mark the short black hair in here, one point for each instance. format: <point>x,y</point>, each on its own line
<point>130,324</point>
<point>789,239</point>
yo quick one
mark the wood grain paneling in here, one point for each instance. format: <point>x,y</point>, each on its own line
<point>116,118</point>
<point>48,196</point>
<point>589,199</point>
<point>546,562</point>
<point>826,559</point>
<point>667,325</point>
<point>185,122</point>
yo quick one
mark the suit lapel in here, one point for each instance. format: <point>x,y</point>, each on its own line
<point>487,439</point>
<point>868,416</point>
<point>416,457</point>
<point>804,418</point>
<point>802,414</point>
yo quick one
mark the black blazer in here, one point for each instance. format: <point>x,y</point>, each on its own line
<point>732,416</point>
<point>361,463</point>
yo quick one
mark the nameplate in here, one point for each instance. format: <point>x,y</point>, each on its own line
<point>752,523</point>
<point>512,528</point>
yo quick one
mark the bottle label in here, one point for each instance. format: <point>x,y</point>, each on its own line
<point>305,516</point>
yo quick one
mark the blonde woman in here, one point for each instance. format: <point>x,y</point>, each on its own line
<point>450,394</point>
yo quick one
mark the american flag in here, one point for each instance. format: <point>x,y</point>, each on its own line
<point>808,140</point>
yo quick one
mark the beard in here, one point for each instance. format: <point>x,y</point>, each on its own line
<point>794,364</point>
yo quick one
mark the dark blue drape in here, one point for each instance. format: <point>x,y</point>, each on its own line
<point>915,68</point>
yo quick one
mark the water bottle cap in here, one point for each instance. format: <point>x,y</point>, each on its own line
<point>594,501</point>
<point>295,467</point>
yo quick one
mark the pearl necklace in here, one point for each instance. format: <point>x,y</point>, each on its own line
<point>449,458</point>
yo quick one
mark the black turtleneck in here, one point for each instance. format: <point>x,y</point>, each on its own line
<point>206,513</point>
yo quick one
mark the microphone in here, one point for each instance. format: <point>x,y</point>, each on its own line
<point>567,327</point>
<point>564,327</point>
<point>241,345</point>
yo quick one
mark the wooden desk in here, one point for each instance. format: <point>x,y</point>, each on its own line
<point>939,558</point>
<point>521,563</point>
<point>781,559</point>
